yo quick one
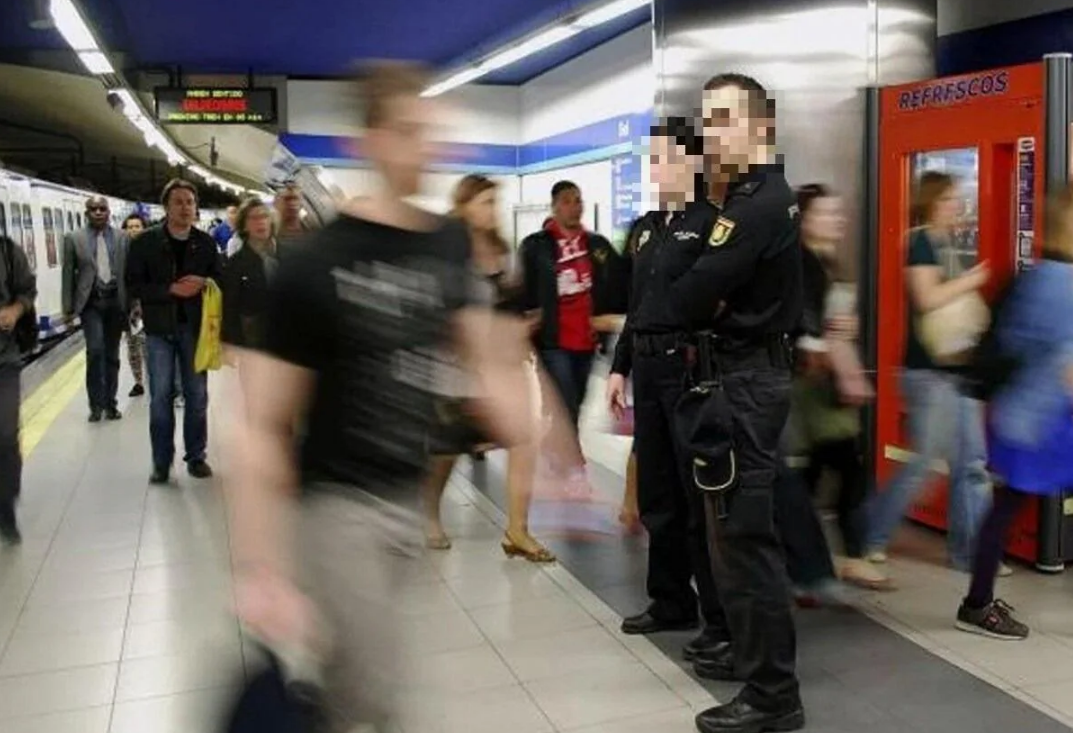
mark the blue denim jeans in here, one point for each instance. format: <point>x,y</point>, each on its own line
<point>168,355</point>
<point>569,371</point>
<point>943,423</point>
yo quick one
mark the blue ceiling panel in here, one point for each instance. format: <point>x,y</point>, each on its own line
<point>322,38</point>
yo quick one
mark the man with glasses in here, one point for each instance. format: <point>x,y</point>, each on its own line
<point>94,260</point>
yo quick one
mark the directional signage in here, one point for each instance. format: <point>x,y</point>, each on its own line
<point>208,106</point>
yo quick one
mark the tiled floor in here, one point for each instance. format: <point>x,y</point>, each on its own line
<point>113,619</point>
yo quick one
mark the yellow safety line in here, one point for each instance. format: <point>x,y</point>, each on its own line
<point>41,408</point>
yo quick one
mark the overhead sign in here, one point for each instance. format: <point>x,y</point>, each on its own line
<point>954,90</point>
<point>209,106</point>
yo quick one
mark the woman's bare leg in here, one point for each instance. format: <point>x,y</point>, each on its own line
<point>629,515</point>
<point>431,495</point>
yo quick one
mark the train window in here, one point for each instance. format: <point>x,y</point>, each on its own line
<point>50,237</point>
<point>28,244</point>
<point>16,224</point>
<point>70,222</point>
<point>3,220</point>
<point>79,220</point>
<point>57,217</point>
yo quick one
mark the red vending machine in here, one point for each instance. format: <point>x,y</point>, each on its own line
<point>1004,134</point>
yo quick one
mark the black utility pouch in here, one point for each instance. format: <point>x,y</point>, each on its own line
<point>704,427</point>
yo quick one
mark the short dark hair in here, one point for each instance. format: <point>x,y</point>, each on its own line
<point>682,131</point>
<point>760,102</point>
<point>133,217</point>
<point>562,187</point>
<point>176,184</point>
<point>808,194</point>
<point>243,216</point>
<point>380,83</point>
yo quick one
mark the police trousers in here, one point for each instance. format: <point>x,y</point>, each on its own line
<point>669,504</point>
<point>747,557</point>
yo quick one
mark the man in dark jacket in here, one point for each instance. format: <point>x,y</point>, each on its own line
<point>166,272</point>
<point>566,272</point>
<point>18,290</point>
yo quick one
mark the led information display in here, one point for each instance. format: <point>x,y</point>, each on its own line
<point>215,106</point>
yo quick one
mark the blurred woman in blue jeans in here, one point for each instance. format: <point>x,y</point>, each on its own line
<point>943,421</point>
<point>1030,427</point>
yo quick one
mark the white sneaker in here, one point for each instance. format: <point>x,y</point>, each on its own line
<point>879,557</point>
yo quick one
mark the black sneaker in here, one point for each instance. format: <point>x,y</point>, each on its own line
<point>199,469</point>
<point>160,476</point>
<point>9,528</point>
<point>113,414</point>
<point>95,415</point>
<point>137,391</point>
<point>9,534</point>
<point>994,620</point>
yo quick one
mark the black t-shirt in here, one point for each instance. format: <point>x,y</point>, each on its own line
<point>921,253</point>
<point>368,308</point>
<point>179,248</point>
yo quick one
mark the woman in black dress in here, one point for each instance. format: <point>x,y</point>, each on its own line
<point>246,277</point>
<point>457,433</point>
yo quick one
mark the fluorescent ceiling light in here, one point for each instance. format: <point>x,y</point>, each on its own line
<point>612,10</point>
<point>71,25</point>
<point>96,62</point>
<point>527,48</point>
<point>457,80</point>
<point>535,44</point>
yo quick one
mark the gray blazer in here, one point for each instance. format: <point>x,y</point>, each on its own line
<point>80,269</point>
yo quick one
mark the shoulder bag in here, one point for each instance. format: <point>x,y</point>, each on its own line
<point>951,332</point>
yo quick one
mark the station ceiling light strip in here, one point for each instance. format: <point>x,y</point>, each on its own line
<point>74,29</point>
<point>536,43</point>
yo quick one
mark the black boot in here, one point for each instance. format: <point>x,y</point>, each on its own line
<point>708,642</point>
<point>739,716</point>
<point>716,663</point>
<point>648,623</point>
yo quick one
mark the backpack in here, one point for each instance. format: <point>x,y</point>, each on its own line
<point>991,368</point>
<point>25,333</point>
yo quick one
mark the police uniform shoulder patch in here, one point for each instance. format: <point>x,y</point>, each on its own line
<point>721,232</point>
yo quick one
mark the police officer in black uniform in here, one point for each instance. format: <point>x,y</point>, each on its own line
<point>741,298</point>
<point>665,244</point>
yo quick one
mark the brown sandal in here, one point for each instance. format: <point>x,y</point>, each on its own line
<point>512,549</point>
<point>443,542</point>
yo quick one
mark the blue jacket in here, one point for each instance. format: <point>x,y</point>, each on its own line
<point>1037,325</point>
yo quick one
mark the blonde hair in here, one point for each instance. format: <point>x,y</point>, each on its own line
<point>380,83</point>
<point>1058,236</point>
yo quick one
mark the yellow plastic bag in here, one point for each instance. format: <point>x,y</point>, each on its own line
<point>209,354</point>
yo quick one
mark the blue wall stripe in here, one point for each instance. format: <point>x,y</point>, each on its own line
<point>597,141</point>
<point>588,156</point>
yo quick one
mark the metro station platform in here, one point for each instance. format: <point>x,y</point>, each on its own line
<point>113,613</point>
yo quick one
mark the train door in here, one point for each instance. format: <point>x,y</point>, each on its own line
<point>987,130</point>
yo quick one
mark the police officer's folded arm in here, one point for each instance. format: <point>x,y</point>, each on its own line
<point>734,247</point>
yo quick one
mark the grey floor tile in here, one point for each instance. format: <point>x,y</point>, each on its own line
<point>91,720</point>
<point>184,713</point>
<point>34,654</point>
<point>55,692</point>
